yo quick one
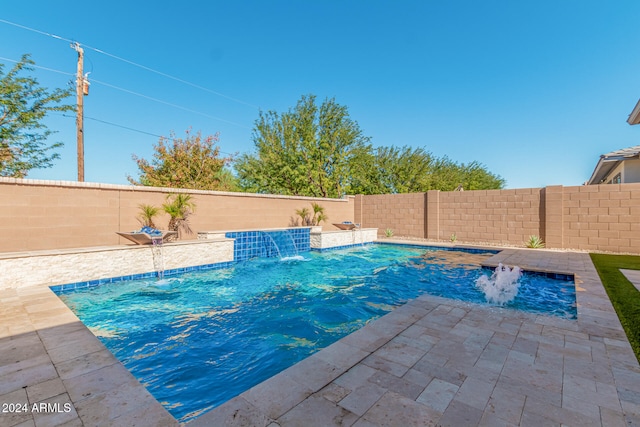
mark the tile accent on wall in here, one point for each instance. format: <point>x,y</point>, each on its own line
<point>60,289</point>
<point>258,244</point>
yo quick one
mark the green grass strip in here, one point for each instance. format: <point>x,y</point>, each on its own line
<point>623,295</point>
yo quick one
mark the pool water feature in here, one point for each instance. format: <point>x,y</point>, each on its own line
<point>251,244</point>
<point>502,286</point>
<point>282,242</point>
<point>158,256</point>
<point>199,339</point>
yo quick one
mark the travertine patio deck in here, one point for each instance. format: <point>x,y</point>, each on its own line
<point>430,362</point>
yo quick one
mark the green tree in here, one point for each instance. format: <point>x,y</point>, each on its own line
<point>403,170</point>
<point>475,176</point>
<point>193,162</point>
<point>308,151</point>
<point>23,106</point>
<point>410,170</point>
<point>319,151</point>
<point>447,175</point>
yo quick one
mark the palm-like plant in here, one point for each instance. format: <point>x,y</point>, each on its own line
<point>308,219</point>
<point>179,207</point>
<point>318,214</point>
<point>534,242</point>
<point>304,216</point>
<point>147,212</point>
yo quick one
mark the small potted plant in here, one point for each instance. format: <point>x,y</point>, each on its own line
<point>147,212</point>
<point>312,220</point>
<point>318,217</point>
<point>179,207</point>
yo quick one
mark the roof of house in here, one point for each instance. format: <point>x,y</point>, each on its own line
<point>634,117</point>
<point>608,161</point>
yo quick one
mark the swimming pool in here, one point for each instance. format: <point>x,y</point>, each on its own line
<point>199,339</point>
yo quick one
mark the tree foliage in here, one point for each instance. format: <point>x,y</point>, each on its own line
<point>320,151</point>
<point>307,151</point>
<point>411,170</point>
<point>193,162</point>
<point>23,106</point>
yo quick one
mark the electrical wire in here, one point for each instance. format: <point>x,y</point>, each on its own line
<point>171,77</point>
<point>167,103</point>
<point>39,67</point>
<point>132,63</point>
<point>135,93</point>
<point>35,31</point>
<point>133,130</point>
<point>129,91</point>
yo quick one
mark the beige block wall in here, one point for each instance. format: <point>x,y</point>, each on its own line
<point>596,217</point>
<point>402,213</point>
<point>40,215</point>
<point>36,215</point>
<point>602,217</point>
<point>492,216</point>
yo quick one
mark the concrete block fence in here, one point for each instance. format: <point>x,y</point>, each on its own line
<point>50,215</point>
<point>45,215</point>
<point>591,218</point>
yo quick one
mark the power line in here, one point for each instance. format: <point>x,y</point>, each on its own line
<point>167,103</point>
<point>133,130</point>
<point>134,93</point>
<point>172,77</point>
<point>119,126</point>
<point>38,66</point>
<point>132,63</point>
<point>35,31</point>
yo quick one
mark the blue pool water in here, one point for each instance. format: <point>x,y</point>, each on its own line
<point>199,339</point>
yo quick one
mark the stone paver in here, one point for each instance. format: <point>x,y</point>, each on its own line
<point>431,362</point>
<point>55,372</point>
<point>633,276</point>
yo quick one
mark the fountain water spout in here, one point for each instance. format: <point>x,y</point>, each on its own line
<point>158,256</point>
<point>502,287</point>
<point>283,243</point>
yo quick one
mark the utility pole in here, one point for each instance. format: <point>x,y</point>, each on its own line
<point>80,111</point>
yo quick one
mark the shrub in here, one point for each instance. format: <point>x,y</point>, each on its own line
<point>179,207</point>
<point>147,212</point>
<point>534,242</point>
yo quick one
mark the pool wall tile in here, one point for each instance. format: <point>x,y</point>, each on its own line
<point>70,287</point>
<point>470,250</point>
<point>262,244</point>
<point>357,245</point>
<point>550,275</point>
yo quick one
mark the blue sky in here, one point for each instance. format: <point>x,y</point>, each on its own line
<point>535,91</point>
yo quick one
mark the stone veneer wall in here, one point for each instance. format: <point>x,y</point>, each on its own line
<point>61,267</point>
<point>594,217</point>
<point>335,239</point>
